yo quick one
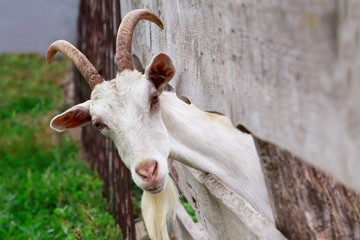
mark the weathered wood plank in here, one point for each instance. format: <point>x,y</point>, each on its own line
<point>287,70</point>
<point>186,229</point>
<point>223,213</point>
<point>308,204</point>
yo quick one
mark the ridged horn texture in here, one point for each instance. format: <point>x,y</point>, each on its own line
<point>125,34</point>
<point>80,61</point>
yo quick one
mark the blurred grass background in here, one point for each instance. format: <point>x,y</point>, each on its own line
<point>46,191</point>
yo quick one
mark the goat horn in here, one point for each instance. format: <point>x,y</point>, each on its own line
<point>80,61</point>
<point>125,34</point>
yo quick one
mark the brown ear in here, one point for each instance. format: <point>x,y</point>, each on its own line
<point>77,116</point>
<point>160,71</point>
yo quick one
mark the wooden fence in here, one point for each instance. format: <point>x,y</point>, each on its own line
<point>288,71</point>
<point>97,28</point>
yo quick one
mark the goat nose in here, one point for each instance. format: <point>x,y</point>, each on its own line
<point>147,170</point>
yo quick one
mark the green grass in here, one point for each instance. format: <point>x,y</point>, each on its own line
<point>46,191</point>
<point>188,208</point>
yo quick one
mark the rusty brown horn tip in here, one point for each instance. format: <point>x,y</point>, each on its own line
<point>80,61</point>
<point>125,34</point>
<point>50,54</point>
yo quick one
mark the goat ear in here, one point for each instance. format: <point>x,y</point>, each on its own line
<point>160,71</point>
<point>77,116</point>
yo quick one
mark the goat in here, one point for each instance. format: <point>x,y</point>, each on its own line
<point>148,125</point>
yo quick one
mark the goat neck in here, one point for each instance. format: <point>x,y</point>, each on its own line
<point>210,143</point>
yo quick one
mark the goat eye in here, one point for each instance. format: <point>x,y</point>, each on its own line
<point>154,99</point>
<point>99,125</point>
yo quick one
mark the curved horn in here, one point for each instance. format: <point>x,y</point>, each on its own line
<point>125,33</point>
<point>80,61</point>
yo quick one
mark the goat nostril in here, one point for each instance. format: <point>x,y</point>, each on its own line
<point>147,170</point>
<point>155,169</point>
<point>143,174</point>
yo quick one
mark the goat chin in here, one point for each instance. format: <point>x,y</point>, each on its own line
<point>158,209</point>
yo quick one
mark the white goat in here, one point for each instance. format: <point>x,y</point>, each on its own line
<point>147,129</point>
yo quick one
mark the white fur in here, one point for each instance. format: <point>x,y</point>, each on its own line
<point>159,209</point>
<point>139,135</point>
<point>210,143</point>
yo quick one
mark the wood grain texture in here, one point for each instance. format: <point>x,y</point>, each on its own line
<point>186,229</point>
<point>223,213</point>
<point>286,70</point>
<point>308,204</point>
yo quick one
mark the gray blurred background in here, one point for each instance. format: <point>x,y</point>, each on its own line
<point>30,26</point>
